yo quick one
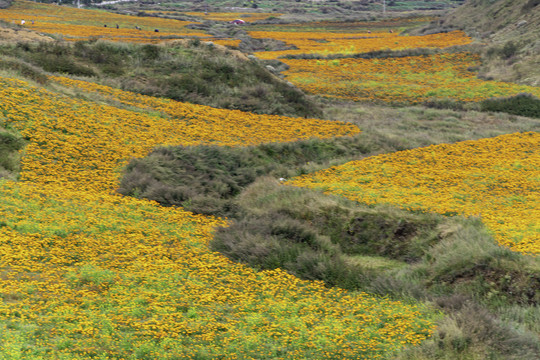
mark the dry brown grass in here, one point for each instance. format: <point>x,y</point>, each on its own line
<point>8,35</point>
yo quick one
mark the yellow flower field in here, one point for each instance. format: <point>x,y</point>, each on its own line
<point>324,43</point>
<point>410,79</point>
<point>333,26</point>
<point>110,136</point>
<point>81,24</point>
<point>87,273</point>
<point>496,179</point>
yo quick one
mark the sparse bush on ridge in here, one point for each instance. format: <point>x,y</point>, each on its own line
<point>185,72</point>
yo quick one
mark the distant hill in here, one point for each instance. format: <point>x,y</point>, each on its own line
<point>343,7</point>
<point>511,29</point>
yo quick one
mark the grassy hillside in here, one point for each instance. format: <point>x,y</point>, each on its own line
<point>191,71</point>
<point>87,273</point>
<point>328,7</point>
<point>510,28</point>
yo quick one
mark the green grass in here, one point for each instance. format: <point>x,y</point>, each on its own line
<point>11,143</point>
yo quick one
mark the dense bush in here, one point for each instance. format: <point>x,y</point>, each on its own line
<point>205,179</point>
<point>522,104</point>
<point>24,69</point>
<point>4,4</point>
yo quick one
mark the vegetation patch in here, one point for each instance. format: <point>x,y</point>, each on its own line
<point>11,144</point>
<point>521,104</point>
<point>205,179</point>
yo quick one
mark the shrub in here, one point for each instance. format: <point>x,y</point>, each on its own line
<point>530,5</point>
<point>521,104</point>
<point>508,50</point>
<point>451,104</point>
<point>4,4</point>
<point>204,178</point>
<point>24,69</point>
<point>10,144</point>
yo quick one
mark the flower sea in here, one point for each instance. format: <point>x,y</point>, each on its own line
<point>87,273</point>
<point>496,179</point>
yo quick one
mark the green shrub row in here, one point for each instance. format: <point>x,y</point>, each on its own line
<point>376,54</point>
<point>521,104</point>
<point>205,179</point>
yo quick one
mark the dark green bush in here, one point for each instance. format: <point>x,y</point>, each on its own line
<point>4,4</point>
<point>508,50</point>
<point>10,145</point>
<point>521,104</point>
<point>24,69</point>
<point>447,103</point>
<point>194,177</point>
<point>62,65</point>
<point>151,52</point>
<point>376,54</point>
<point>530,5</point>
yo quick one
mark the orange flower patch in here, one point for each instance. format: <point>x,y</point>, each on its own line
<point>495,179</point>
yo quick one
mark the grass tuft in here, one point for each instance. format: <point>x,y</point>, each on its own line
<point>10,145</point>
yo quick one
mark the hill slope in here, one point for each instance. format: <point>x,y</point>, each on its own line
<point>511,29</point>
<point>197,72</point>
